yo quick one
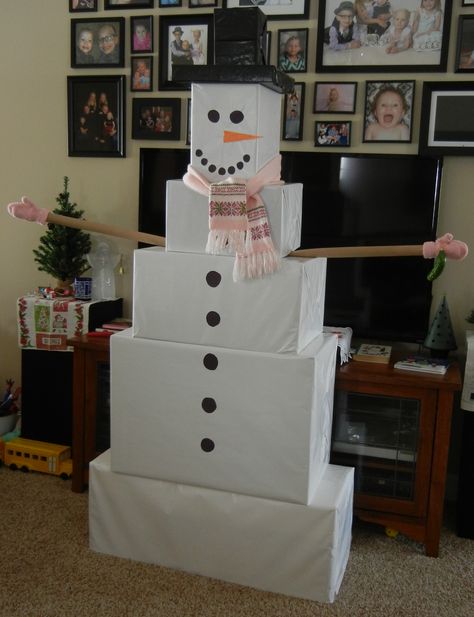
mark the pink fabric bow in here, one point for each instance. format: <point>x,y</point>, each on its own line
<point>454,249</point>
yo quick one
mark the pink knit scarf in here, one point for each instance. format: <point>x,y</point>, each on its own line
<point>238,219</point>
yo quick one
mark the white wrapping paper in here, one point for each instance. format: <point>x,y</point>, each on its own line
<point>195,300</point>
<point>270,545</point>
<point>268,416</point>
<point>187,217</point>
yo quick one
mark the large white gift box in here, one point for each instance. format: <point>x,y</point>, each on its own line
<point>195,300</point>
<point>247,422</point>
<point>297,550</point>
<point>187,217</point>
<point>235,130</point>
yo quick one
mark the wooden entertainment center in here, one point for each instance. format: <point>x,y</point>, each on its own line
<point>394,427</point>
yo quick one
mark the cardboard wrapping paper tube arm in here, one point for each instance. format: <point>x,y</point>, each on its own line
<point>445,247</point>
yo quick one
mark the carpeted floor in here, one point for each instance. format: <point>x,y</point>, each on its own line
<point>47,570</point>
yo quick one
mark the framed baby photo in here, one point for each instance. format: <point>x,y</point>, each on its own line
<point>141,34</point>
<point>83,6</point>
<point>464,62</point>
<point>142,73</point>
<point>184,40</point>
<point>295,9</point>
<point>382,36</point>
<point>96,115</point>
<point>97,42</point>
<point>447,121</point>
<point>156,118</point>
<point>332,134</point>
<point>388,111</point>
<point>294,114</point>
<point>127,4</point>
<point>334,97</point>
<point>164,4</point>
<point>293,50</point>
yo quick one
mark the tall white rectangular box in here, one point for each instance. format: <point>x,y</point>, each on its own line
<point>247,422</point>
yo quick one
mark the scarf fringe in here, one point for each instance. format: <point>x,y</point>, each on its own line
<point>255,265</point>
<point>223,240</point>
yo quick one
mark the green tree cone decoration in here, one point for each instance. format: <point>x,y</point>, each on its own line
<point>440,338</point>
<point>62,250</point>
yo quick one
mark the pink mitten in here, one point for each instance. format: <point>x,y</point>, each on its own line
<point>454,249</point>
<point>26,210</point>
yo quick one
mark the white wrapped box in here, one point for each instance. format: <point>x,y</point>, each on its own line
<point>187,217</point>
<point>235,129</point>
<point>253,423</point>
<point>275,546</point>
<point>194,300</point>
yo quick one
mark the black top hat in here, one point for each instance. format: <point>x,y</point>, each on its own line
<point>178,29</point>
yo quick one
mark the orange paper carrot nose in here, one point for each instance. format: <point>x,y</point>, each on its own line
<point>233,136</point>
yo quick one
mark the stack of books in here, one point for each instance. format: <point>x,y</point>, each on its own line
<point>437,366</point>
<point>373,353</point>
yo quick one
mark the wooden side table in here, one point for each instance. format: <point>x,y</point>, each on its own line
<point>91,404</point>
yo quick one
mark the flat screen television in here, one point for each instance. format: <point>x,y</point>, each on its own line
<point>348,200</point>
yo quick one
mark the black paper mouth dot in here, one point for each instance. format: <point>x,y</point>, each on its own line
<point>213,319</point>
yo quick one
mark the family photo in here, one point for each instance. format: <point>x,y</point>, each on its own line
<point>383,33</point>
<point>156,118</point>
<point>97,42</point>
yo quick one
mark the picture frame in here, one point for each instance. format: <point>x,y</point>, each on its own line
<point>197,31</point>
<point>83,6</point>
<point>96,115</point>
<point>332,133</point>
<point>200,4</point>
<point>464,62</point>
<point>297,9</point>
<point>293,114</point>
<point>169,4</point>
<point>156,118</point>
<point>388,111</point>
<point>467,2</point>
<point>141,79</point>
<point>141,34</point>
<point>365,47</point>
<point>335,97</point>
<point>115,5</point>
<point>293,50</point>
<point>97,42</point>
<point>447,122</point>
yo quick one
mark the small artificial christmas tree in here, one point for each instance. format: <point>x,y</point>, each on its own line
<point>62,250</point>
<point>440,339</point>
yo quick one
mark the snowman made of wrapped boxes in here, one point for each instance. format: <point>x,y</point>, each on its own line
<point>221,394</point>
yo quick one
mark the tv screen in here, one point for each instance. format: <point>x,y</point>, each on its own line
<point>348,200</point>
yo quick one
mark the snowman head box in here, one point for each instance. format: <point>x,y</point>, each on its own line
<point>235,129</point>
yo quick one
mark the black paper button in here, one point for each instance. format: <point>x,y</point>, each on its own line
<point>213,278</point>
<point>207,445</point>
<point>210,361</point>
<point>213,319</point>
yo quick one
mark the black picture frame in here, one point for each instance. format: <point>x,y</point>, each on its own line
<point>464,62</point>
<point>335,97</point>
<point>467,2</point>
<point>141,34</point>
<point>186,24</point>
<point>97,42</point>
<point>169,4</point>
<point>332,133</point>
<point>201,4</point>
<point>297,40</point>
<point>83,6</point>
<point>88,135</point>
<point>369,53</point>
<point>388,111</point>
<point>298,9</point>
<point>141,78</point>
<point>293,114</point>
<point>156,118</point>
<point>447,121</point>
<point>120,5</point>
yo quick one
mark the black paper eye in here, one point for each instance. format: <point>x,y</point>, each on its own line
<point>213,115</point>
<point>236,117</point>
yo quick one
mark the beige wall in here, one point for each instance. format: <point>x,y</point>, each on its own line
<point>35,59</point>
